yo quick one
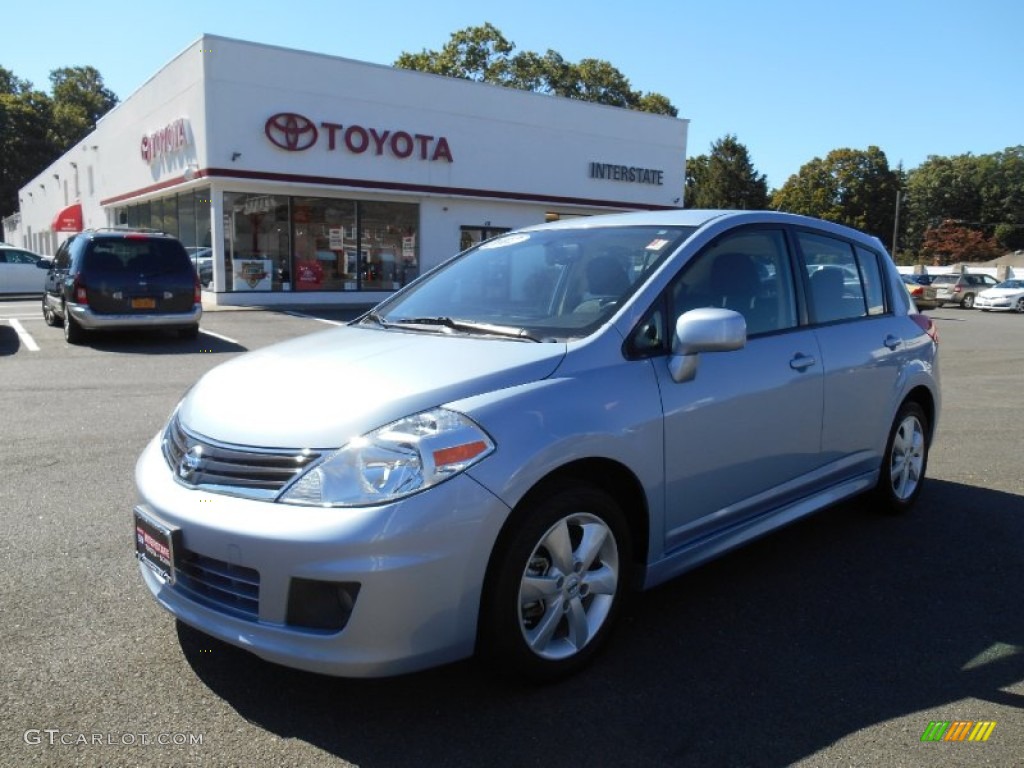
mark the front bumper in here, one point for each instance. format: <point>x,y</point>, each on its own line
<point>419,565</point>
<point>94,321</point>
<point>994,304</point>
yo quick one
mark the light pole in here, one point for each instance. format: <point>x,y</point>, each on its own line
<point>896,225</point>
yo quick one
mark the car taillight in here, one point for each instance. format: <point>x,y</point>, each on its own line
<point>927,325</point>
<point>957,289</point>
<point>197,292</point>
<point>916,291</point>
<point>79,292</point>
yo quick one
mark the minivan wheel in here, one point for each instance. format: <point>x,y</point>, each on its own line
<point>968,301</point>
<point>73,332</point>
<point>556,584</point>
<point>49,317</point>
<point>905,460</point>
<point>189,332</point>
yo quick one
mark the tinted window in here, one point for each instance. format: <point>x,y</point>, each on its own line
<point>143,256</point>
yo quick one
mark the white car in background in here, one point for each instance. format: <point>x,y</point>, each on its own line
<point>20,271</point>
<point>1008,295</point>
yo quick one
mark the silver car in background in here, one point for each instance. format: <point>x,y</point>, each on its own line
<point>495,456</point>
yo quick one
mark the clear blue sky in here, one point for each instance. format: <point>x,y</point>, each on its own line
<point>791,79</point>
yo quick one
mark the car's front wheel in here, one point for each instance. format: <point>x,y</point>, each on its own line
<point>905,460</point>
<point>556,584</point>
<point>49,316</point>
<point>1019,306</point>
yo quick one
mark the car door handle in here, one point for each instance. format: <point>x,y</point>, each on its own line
<point>892,341</point>
<point>802,362</point>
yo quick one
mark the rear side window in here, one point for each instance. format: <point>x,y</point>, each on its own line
<point>871,278</point>
<point>838,287</point>
<point>146,256</point>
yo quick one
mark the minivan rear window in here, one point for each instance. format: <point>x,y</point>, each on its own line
<point>143,256</point>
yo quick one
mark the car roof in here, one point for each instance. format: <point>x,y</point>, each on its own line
<point>699,217</point>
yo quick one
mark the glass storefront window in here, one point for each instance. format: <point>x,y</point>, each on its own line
<point>256,241</point>
<point>388,244</point>
<point>187,220</point>
<point>204,233</point>
<point>325,244</point>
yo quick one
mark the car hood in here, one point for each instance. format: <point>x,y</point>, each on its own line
<point>318,391</point>
<point>995,293</point>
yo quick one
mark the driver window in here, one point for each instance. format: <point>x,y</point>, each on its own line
<point>748,272</point>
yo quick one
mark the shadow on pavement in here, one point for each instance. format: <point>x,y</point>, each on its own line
<point>9,341</point>
<point>764,657</point>
<point>158,342</point>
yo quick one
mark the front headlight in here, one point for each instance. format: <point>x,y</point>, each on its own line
<point>398,459</point>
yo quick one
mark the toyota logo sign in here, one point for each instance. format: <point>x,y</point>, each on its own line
<point>290,131</point>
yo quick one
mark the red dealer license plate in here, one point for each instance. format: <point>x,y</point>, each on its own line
<point>154,545</point>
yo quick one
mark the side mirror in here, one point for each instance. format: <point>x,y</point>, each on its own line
<point>45,263</point>
<point>708,329</point>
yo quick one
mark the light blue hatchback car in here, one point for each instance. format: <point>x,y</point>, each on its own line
<point>531,430</point>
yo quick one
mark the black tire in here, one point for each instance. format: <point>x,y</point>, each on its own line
<point>905,460</point>
<point>190,332</point>
<point>49,316</point>
<point>968,301</point>
<point>1019,306</point>
<point>548,609</point>
<point>73,333</point>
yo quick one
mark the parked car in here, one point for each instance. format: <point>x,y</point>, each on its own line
<point>19,270</point>
<point>202,259</point>
<point>1008,295</point>
<point>102,280</point>
<point>961,288</point>
<point>924,294</point>
<point>494,456</point>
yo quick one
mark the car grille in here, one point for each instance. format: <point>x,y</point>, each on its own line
<point>222,586</point>
<point>258,473</point>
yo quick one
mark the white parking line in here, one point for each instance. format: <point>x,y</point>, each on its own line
<point>304,316</point>
<point>26,339</point>
<point>228,339</point>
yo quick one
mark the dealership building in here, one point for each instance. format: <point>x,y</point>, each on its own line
<point>309,178</point>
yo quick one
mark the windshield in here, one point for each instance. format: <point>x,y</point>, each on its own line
<point>1015,285</point>
<point>555,284</point>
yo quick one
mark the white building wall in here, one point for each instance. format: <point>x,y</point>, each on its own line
<point>515,156</point>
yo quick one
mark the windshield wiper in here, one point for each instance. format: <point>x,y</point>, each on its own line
<point>374,317</point>
<point>506,331</point>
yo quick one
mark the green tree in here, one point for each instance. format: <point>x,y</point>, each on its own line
<point>725,178</point>
<point>852,187</point>
<point>79,100</point>
<point>984,192</point>
<point>26,146</point>
<point>485,55</point>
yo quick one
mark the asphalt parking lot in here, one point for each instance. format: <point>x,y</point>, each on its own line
<point>833,642</point>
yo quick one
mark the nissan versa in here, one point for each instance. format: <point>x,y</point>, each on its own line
<point>508,446</point>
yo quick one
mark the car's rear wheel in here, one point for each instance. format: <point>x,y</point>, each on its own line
<point>556,584</point>
<point>189,332</point>
<point>968,301</point>
<point>905,460</point>
<point>73,332</point>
